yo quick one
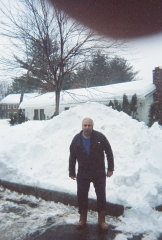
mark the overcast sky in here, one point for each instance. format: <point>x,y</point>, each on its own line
<point>147,54</point>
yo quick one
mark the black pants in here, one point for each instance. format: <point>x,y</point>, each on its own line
<point>83,185</point>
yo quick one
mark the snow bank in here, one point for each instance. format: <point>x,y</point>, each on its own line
<point>37,152</point>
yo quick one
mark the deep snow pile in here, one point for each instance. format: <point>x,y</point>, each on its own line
<point>36,153</point>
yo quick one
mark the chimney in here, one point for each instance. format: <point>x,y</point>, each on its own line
<point>157,80</point>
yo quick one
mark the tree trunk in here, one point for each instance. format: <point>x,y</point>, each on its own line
<point>57,101</point>
<point>23,87</point>
<point>22,94</point>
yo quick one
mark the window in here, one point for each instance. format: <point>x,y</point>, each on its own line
<point>42,116</point>
<point>36,117</point>
<point>9,106</point>
<point>3,106</point>
<point>14,106</point>
<point>9,114</point>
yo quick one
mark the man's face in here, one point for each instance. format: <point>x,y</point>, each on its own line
<point>87,127</point>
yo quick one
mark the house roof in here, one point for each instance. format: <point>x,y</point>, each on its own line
<point>100,94</point>
<point>15,98</point>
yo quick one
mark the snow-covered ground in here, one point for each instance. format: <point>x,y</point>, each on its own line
<point>17,221</point>
<point>36,153</point>
<point>28,218</point>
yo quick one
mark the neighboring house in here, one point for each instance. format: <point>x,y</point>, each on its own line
<point>10,104</point>
<point>42,107</point>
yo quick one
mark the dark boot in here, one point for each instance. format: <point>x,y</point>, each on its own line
<point>101,221</point>
<point>83,219</point>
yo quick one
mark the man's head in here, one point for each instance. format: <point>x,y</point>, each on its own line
<point>87,127</point>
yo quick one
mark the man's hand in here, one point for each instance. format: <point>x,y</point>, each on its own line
<point>72,177</point>
<point>109,174</point>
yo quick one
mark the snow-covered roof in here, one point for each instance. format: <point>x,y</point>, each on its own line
<point>99,94</point>
<point>15,98</point>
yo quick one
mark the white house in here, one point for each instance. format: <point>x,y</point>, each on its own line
<point>43,106</point>
<point>10,104</point>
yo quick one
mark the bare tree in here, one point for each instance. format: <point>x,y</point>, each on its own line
<point>47,43</point>
<point>3,89</point>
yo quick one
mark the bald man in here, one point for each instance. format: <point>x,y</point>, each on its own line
<point>88,148</point>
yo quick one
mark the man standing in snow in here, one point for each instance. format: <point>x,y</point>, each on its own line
<point>88,149</point>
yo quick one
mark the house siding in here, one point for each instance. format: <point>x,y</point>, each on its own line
<point>143,110</point>
<point>6,110</point>
<point>143,107</point>
<point>48,112</point>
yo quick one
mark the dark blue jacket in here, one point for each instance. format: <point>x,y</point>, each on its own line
<point>94,164</point>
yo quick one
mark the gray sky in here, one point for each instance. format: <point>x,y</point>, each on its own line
<point>147,54</point>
